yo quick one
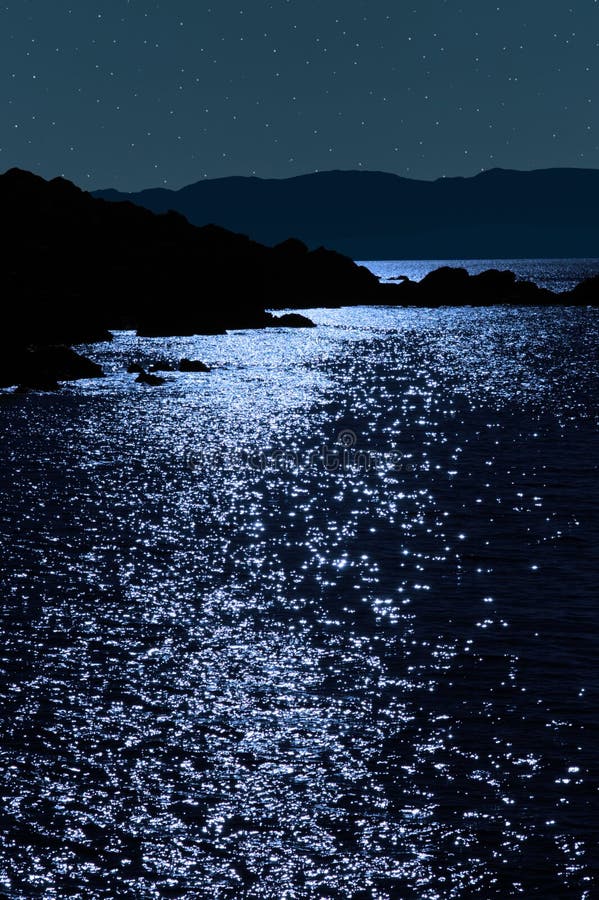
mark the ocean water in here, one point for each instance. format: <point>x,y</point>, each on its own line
<point>322,623</point>
<point>555,274</point>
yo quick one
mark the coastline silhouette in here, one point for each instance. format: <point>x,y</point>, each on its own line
<point>79,267</point>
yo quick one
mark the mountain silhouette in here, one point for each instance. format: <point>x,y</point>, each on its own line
<point>375,215</point>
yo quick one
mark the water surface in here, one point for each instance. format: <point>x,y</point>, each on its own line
<point>321,623</point>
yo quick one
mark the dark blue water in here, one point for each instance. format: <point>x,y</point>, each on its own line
<point>322,623</point>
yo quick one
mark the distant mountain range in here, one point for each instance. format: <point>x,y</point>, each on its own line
<point>374,215</point>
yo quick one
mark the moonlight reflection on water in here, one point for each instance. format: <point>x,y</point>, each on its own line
<point>234,668</point>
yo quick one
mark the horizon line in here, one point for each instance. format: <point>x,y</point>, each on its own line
<point>360,171</point>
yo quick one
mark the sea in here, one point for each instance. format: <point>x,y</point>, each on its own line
<point>320,623</point>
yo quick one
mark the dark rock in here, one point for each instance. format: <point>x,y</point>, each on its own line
<point>584,294</point>
<point>444,286</point>
<point>135,369</point>
<point>149,379</point>
<point>494,283</point>
<point>407,293</point>
<point>40,368</point>
<point>193,365</point>
<point>449,286</point>
<point>294,320</point>
<point>63,363</point>
<point>527,293</point>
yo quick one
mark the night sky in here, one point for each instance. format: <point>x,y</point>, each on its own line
<point>133,94</point>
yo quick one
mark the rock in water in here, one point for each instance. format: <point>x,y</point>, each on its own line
<point>294,320</point>
<point>193,365</point>
<point>148,378</point>
<point>586,293</point>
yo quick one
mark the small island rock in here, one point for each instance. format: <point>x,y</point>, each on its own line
<point>193,365</point>
<point>294,320</point>
<point>149,379</point>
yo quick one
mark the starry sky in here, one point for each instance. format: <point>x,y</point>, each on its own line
<point>133,94</point>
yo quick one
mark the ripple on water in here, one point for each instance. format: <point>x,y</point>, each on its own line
<point>321,623</point>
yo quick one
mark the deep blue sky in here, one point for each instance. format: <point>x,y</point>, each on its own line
<point>132,94</point>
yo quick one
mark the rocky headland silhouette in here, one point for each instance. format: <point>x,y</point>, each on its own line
<point>76,267</point>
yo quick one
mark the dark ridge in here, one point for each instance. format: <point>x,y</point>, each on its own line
<point>500,213</point>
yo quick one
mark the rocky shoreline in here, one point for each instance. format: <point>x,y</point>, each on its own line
<point>76,268</point>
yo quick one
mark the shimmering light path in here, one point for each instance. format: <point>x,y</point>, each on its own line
<point>321,623</point>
